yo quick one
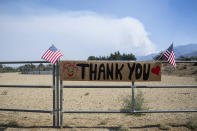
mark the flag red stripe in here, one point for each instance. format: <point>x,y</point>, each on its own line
<point>170,56</point>
<point>56,58</point>
<point>52,55</point>
<point>45,54</point>
<point>48,55</point>
<point>56,54</point>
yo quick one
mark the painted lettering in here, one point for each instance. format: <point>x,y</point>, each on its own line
<point>93,71</point>
<point>146,73</point>
<point>101,70</point>
<point>110,71</point>
<point>82,65</point>
<point>138,71</point>
<point>118,71</point>
<point>131,69</point>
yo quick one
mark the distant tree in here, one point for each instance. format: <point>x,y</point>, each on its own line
<point>102,58</point>
<point>183,58</point>
<point>193,58</point>
<point>159,57</point>
<point>20,68</point>
<point>48,67</point>
<point>8,69</point>
<point>26,67</point>
<point>32,66</point>
<point>91,58</point>
<point>128,57</point>
<point>114,56</point>
<point>40,67</point>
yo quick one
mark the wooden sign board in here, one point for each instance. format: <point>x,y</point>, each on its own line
<point>110,71</point>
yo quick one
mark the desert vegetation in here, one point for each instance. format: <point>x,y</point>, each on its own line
<point>139,103</point>
<point>114,56</point>
<point>99,99</point>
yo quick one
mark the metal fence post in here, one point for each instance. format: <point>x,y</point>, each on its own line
<point>133,97</point>
<point>61,103</point>
<point>54,105</point>
<point>57,92</point>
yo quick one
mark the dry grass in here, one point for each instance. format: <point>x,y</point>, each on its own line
<point>96,99</point>
<point>103,122</point>
<point>4,92</point>
<point>123,128</point>
<point>191,125</point>
<point>139,104</point>
<point>164,127</point>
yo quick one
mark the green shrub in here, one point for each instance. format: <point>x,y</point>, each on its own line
<point>139,103</point>
<point>4,92</point>
<point>123,128</point>
<point>164,127</point>
<point>12,124</point>
<point>103,122</point>
<point>87,93</point>
<point>191,125</point>
<point>181,74</point>
<point>73,129</point>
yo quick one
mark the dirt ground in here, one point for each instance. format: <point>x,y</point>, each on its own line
<point>96,99</point>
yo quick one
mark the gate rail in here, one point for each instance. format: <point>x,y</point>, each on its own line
<point>55,109</point>
<point>58,87</point>
<point>133,100</point>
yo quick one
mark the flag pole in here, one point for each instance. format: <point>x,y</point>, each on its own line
<point>161,55</point>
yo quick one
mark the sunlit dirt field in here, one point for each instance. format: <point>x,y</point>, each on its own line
<point>95,99</point>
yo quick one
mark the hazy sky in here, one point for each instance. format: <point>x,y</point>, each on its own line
<point>80,28</point>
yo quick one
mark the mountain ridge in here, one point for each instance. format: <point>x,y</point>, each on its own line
<point>187,50</point>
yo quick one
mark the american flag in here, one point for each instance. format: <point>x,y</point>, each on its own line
<point>170,56</point>
<point>52,54</point>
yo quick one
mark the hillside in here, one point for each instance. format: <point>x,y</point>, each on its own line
<point>188,50</point>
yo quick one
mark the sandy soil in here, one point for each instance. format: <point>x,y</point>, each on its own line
<point>96,99</point>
